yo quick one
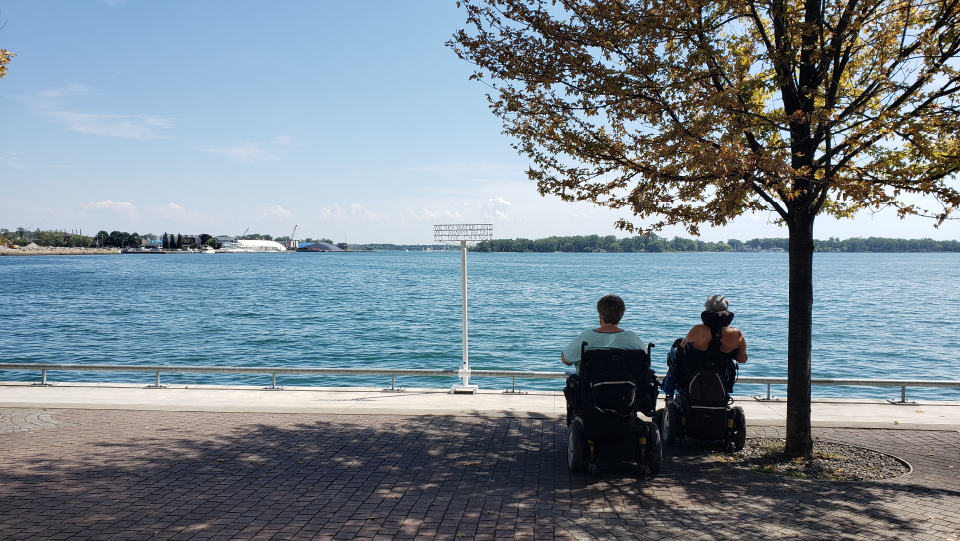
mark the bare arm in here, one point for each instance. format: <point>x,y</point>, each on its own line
<point>564,360</point>
<point>741,355</point>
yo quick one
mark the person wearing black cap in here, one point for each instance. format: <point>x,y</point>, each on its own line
<point>716,322</point>
<point>714,336</point>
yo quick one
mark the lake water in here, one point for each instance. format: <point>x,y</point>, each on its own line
<point>883,316</point>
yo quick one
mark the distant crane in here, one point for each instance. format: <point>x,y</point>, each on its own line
<point>245,232</point>
<point>292,244</point>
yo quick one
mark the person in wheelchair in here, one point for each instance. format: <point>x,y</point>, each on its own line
<point>611,384</point>
<point>702,368</point>
<point>610,310</point>
<point>716,327</point>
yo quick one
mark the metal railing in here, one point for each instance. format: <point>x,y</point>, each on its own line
<point>394,372</point>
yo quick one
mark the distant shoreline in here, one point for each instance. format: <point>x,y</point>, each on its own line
<point>59,251</point>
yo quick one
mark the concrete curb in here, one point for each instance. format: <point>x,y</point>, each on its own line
<point>826,413</point>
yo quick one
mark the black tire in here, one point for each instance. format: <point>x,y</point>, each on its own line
<point>575,446</point>
<point>740,427</point>
<point>653,449</point>
<point>672,419</point>
<point>658,418</point>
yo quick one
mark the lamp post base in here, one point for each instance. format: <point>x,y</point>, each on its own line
<point>463,389</point>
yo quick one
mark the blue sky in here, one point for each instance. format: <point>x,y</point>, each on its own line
<point>347,119</point>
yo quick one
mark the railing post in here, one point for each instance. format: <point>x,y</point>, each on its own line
<point>393,389</point>
<point>904,399</point>
<point>157,384</point>
<point>768,398</point>
<point>43,379</point>
<point>513,389</point>
<point>273,383</point>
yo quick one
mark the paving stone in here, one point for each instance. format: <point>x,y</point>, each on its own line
<point>85,475</point>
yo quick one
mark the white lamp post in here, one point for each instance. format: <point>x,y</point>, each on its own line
<point>463,234</point>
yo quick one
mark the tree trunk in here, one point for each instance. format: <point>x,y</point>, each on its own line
<point>801,300</point>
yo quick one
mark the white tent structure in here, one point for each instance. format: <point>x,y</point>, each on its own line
<point>242,245</point>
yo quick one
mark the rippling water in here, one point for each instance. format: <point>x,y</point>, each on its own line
<point>875,315</point>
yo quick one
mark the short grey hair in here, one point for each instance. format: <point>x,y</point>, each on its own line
<point>716,303</point>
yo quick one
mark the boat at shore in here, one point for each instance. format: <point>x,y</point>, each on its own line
<point>142,251</point>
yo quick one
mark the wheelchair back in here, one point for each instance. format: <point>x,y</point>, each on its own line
<point>615,384</point>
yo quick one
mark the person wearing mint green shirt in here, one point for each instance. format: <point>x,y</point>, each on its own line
<point>610,310</point>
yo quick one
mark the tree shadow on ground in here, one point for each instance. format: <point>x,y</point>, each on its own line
<point>184,475</point>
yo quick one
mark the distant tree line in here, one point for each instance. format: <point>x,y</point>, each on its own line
<point>400,247</point>
<point>53,237</point>
<point>103,239</point>
<point>655,243</point>
<point>256,236</point>
<point>586,243</point>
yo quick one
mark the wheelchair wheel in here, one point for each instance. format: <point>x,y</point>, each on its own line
<point>740,427</point>
<point>672,419</point>
<point>575,445</point>
<point>653,448</point>
<point>658,418</point>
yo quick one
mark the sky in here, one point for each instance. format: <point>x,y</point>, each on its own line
<point>350,120</point>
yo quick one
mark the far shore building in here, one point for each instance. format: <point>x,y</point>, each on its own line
<point>244,245</point>
<point>318,247</point>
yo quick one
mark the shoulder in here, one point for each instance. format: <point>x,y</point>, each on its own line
<point>631,337</point>
<point>585,336</point>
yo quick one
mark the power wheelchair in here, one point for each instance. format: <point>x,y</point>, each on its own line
<point>603,403</point>
<point>701,408</point>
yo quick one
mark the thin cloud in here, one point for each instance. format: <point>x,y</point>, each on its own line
<point>49,104</point>
<point>12,159</point>
<point>275,211</point>
<point>246,152</point>
<point>428,215</point>
<point>357,213</point>
<point>580,216</point>
<point>113,206</point>
<point>360,213</point>
<point>496,209</point>
<point>66,90</point>
<point>180,213</point>
<point>336,214</point>
<point>111,125</point>
<point>462,167</point>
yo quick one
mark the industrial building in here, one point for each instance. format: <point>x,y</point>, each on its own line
<point>243,245</point>
<point>318,247</point>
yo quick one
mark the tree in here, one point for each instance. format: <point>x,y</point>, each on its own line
<point>5,58</point>
<point>101,238</point>
<point>693,112</point>
<point>165,243</point>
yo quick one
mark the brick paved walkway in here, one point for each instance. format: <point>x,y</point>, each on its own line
<point>82,474</point>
